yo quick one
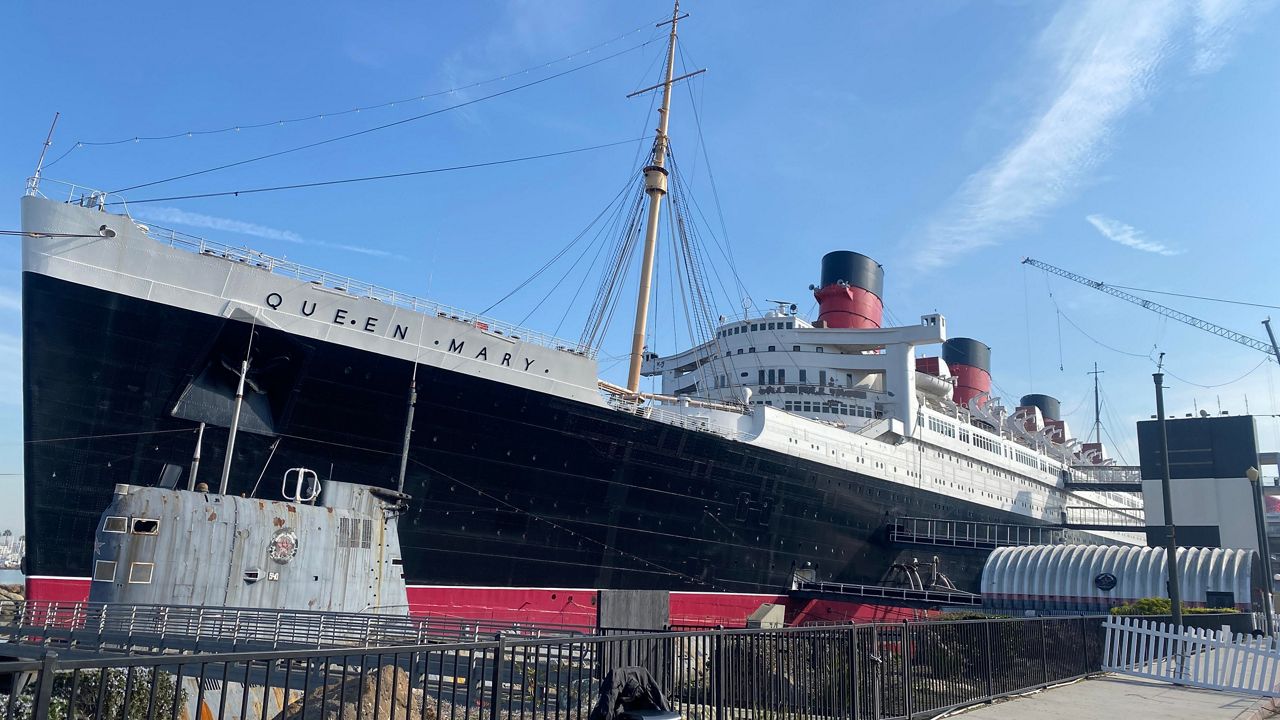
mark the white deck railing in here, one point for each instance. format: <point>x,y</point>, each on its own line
<point>342,283</point>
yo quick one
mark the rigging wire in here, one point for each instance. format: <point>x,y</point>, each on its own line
<point>28,233</point>
<point>1026,316</point>
<point>1112,421</point>
<point>604,305</point>
<point>384,126</point>
<point>489,496</point>
<point>1264,361</point>
<point>238,127</point>
<point>108,435</point>
<point>711,178</point>
<point>640,149</point>
<point>562,528</point>
<point>599,233</point>
<point>560,253</point>
<point>612,230</point>
<point>368,178</point>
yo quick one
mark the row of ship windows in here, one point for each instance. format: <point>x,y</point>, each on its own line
<point>771,348</point>
<point>945,428</point>
<point>998,473</point>
<point>1035,507</point>
<point>778,376</point>
<point>139,572</point>
<point>139,526</point>
<point>939,481</point>
<point>755,327</point>
<point>833,409</point>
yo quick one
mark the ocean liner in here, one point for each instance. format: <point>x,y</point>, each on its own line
<point>780,450</point>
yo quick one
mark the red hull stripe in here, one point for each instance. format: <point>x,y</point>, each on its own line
<point>577,607</point>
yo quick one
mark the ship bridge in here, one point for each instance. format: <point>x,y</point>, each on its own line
<point>782,361</point>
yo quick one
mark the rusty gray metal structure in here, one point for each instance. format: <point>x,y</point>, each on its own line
<point>330,547</point>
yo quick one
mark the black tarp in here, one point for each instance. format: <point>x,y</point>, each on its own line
<point>628,688</point>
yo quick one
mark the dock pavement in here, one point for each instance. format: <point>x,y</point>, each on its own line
<point>1113,697</point>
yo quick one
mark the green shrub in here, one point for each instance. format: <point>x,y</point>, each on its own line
<point>1162,606</point>
<point>967,615</point>
<point>63,705</point>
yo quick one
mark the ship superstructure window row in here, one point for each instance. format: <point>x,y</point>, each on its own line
<point>942,427</point>
<point>755,327</point>
<point>831,408</point>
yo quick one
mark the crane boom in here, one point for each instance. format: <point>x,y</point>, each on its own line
<point>1155,307</point>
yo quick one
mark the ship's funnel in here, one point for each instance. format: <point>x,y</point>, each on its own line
<point>1050,408</point>
<point>851,290</point>
<point>970,364</point>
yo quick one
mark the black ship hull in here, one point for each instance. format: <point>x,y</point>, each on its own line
<point>512,488</point>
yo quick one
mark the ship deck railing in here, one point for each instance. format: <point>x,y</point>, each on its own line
<point>688,421</point>
<point>99,626</point>
<point>78,194</point>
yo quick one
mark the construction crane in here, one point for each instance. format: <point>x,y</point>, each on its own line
<point>1195,322</point>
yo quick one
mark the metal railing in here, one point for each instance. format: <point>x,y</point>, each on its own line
<point>866,672</point>
<point>888,592</point>
<point>340,283</point>
<point>166,628</point>
<point>972,534</point>
<point>1103,478</point>
<point>700,423</point>
<point>1098,518</point>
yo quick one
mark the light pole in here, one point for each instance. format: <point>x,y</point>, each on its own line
<point>1171,542</point>
<point>1256,486</point>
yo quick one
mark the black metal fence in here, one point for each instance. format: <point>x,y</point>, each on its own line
<point>864,672</point>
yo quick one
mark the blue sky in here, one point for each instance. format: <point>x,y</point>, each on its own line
<point>1131,142</point>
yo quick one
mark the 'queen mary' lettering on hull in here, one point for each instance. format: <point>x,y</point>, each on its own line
<point>373,324</point>
<point>504,359</point>
<point>342,316</point>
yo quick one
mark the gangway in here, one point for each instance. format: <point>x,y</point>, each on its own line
<point>1101,519</point>
<point>885,593</point>
<point>973,534</point>
<point>1103,478</point>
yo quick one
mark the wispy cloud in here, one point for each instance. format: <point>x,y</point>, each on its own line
<point>1105,57</point>
<point>190,219</point>
<point>240,227</point>
<point>375,252</point>
<point>1129,236</point>
<point>1217,22</point>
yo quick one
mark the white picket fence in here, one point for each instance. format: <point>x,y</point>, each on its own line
<point>1214,659</point>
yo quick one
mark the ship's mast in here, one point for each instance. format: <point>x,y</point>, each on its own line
<point>48,140</point>
<point>655,186</point>
<point>1097,406</point>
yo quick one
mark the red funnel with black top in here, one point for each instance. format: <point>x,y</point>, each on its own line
<point>970,364</point>
<point>851,290</point>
